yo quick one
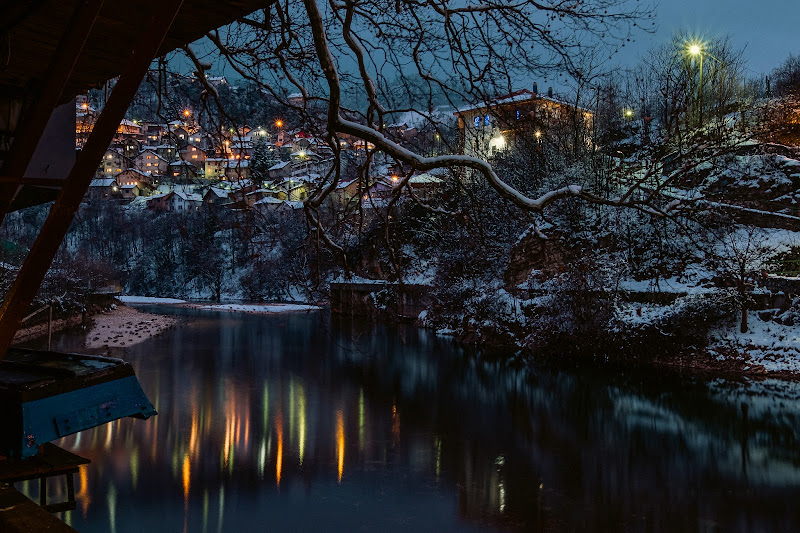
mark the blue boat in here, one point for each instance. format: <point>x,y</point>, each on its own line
<point>47,395</point>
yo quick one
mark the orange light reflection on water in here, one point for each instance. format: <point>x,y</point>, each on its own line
<point>340,441</point>
<point>279,459</point>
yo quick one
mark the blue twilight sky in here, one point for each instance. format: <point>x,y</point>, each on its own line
<point>770,29</point>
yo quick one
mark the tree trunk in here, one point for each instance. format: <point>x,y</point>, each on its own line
<point>743,327</point>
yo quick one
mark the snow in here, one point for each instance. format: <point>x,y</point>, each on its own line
<point>774,346</point>
<point>148,300</point>
<point>261,308</point>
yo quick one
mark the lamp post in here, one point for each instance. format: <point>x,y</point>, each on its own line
<point>696,50</point>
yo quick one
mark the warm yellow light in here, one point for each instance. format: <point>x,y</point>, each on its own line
<point>394,178</point>
<point>695,49</point>
<point>85,106</point>
<point>538,134</point>
<point>340,443</point>
<point>301,153</point>
<point>629,112</point>
<point>279,123</point>
<point>186,112</point>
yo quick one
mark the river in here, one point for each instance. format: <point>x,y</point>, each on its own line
<point>293,423</point>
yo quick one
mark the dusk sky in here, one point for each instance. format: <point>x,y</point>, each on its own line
<point>769,30</point>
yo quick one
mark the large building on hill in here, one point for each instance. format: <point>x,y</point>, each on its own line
<point>505,122</point>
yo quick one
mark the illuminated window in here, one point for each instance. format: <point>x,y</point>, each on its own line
<point>149,157</point>
<point>477,121</point>
<point>108,156</point>
<point>487,120</point>
<point>194,157</point>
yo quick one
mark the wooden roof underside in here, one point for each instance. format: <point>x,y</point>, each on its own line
<point>30,32</point>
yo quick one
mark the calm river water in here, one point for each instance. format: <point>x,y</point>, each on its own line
<point>291,423</point>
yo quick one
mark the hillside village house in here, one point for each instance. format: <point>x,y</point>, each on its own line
<point>102,188</point>
<point>131,176</point>
<point>182,171</point>
<point>149,162</point>
<point>236,169</point>
<point>492,127</point>
<point>215,167</point>
<point>113,163</point>
<point>129,191</point>
<point>194,155</point>
<point>184,201</point>
<point>167,151</point>
<point>129,146</point>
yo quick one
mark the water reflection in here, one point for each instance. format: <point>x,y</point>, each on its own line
<point>286,422</point>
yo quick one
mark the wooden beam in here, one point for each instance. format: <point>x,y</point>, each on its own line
<point>38,182</point>
<point>30,131</point>
<point>44,249</point>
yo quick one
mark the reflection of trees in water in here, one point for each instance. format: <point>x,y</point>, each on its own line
<point>249,404</point>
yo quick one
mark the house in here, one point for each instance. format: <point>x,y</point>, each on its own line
<point>149,162</point>
<point>102,188</point>
<point>257,195</point>
<point>160,202</point>
<point>279,171</point>
<point>215,167</point>
<point>129,191</point>
<point>183,201</point>
<point>237,169</point>
<point>168,152</point>
<point>182,172</point>
<point>129,147</point>
<point>524,116</point>
<point>128,128</point>
<point>424,185</point>
<point>194,155</point>
<point>131,176</point>
<point>153,133</point>
<point>113,163</point>
<point>268,204</point>
<point>216,197</point>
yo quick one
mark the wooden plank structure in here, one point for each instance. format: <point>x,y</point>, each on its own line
<point>50,52</point>
<point>51,461</point>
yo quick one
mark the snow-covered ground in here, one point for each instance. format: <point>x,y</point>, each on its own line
<point>774,346</point>
<point>261,308</point>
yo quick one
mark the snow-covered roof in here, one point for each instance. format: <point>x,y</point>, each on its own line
<point>221,193</point>
<point>237,163</point>
<point>268,200</point>
<point>424,179</point>
<point>103,182</point>
<point>180,164</point>
<point>188,196</point>
<point>130,186</point>
<point>278,166</point>
<point>293,204</point>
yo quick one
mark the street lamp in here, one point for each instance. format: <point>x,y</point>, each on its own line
<point>698,50</point>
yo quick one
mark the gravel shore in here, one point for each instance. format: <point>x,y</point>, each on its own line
<point>125,326</point>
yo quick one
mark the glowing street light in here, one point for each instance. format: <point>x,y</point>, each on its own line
<point>186,113</point>
<point>279,123</point>
<point>697,50</point>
